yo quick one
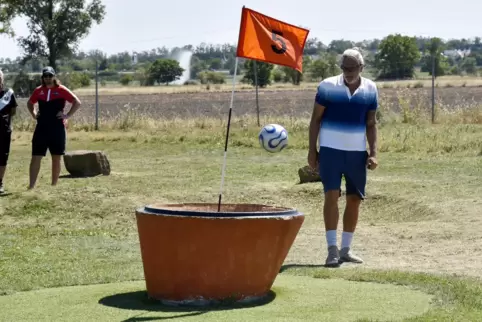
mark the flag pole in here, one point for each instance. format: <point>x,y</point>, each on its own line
<point>227,134</point>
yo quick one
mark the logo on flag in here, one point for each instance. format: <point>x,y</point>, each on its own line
<point>270,40</point>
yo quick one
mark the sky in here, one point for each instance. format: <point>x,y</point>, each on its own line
<point>145,24</point>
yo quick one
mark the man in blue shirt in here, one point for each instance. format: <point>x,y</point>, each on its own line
<point>342,122</point>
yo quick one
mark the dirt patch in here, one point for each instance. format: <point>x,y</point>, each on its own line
<point>441,245</point>
<point>386,208</point>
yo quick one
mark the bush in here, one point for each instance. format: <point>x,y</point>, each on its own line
<point>23,84</point>
<point>277,75</point>
<point>191,82</point>
<point>208,77</point>
<point>75,80</point>
<point>126,79</point>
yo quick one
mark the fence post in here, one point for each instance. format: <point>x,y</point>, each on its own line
<point>96,95</point>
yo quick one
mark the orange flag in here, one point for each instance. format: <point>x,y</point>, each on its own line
<point>269,40</point>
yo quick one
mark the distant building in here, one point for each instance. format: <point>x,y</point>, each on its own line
<point>456,53</point>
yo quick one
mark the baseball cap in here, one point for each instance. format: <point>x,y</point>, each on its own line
<point>48,70</point>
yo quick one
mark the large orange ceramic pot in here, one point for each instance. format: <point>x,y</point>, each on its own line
<point>194,254</point>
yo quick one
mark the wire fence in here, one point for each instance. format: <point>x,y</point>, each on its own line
<point>112,102</point>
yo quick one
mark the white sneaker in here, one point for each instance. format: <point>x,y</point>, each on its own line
<point>346,255</point>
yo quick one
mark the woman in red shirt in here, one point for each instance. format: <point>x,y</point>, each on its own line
<point>50,132</point>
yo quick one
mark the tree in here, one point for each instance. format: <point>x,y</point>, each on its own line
<point>469,65</point>
<point>434,49</point>
<point>216,64</point>
<point>165,71</point>
<point>56,26</point>
<point>313,46</point>
<point>319,69</point>
<point>397,57</point>
<point>292,75</point>
<point>340,45</point>
<point>263,72</point>
<point>333,68</point>
<point>324,67</point>
<point>8,10</point>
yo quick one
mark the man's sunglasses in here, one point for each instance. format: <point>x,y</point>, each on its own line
<point>47,76</point>
<point>349,69</point>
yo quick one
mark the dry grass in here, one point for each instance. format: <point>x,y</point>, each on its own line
<point>444,81</point>
<point>135,112</point>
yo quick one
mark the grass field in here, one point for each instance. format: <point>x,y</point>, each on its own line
<point>419,226</point>
<point>295,298</point>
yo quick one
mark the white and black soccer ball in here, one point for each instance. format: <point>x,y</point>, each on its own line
<point>273,138</point>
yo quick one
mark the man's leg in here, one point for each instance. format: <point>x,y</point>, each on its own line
<point>355,192</point>
<point>350,219</point>
<point>330,175</point>
<point>5,139</point>
<point>331,216</point>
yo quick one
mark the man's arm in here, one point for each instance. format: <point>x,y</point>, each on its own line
<point>316,116</point>
<point>372,132</point>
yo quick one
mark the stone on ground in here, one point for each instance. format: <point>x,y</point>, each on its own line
<point>86,163</point>
<point>308,175</point>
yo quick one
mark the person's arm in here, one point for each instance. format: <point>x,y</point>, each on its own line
<point>31,102</point>
<point>372,133</point>
<point>13,105</point>
<point>73,99</point>
<point>316,116</point>
<point>315,124</point>
<point>371,129</point>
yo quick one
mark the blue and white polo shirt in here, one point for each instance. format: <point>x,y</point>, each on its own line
<point>343,125</point>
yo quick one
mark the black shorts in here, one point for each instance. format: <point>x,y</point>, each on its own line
<point>333,164</point>
<point>5,139</point>
<point>52,139</point>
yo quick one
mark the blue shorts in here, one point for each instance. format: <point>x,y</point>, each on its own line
<point>333,164</point>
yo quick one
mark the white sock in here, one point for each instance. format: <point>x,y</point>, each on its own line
<point>346,239</point>
<point>331,237</point>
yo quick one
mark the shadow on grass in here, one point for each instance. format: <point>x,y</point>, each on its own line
<point>139,301</point>
<point>70,176</point>
<point>67,176</point>
<point>159,318</point>
<point>294,266</point>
